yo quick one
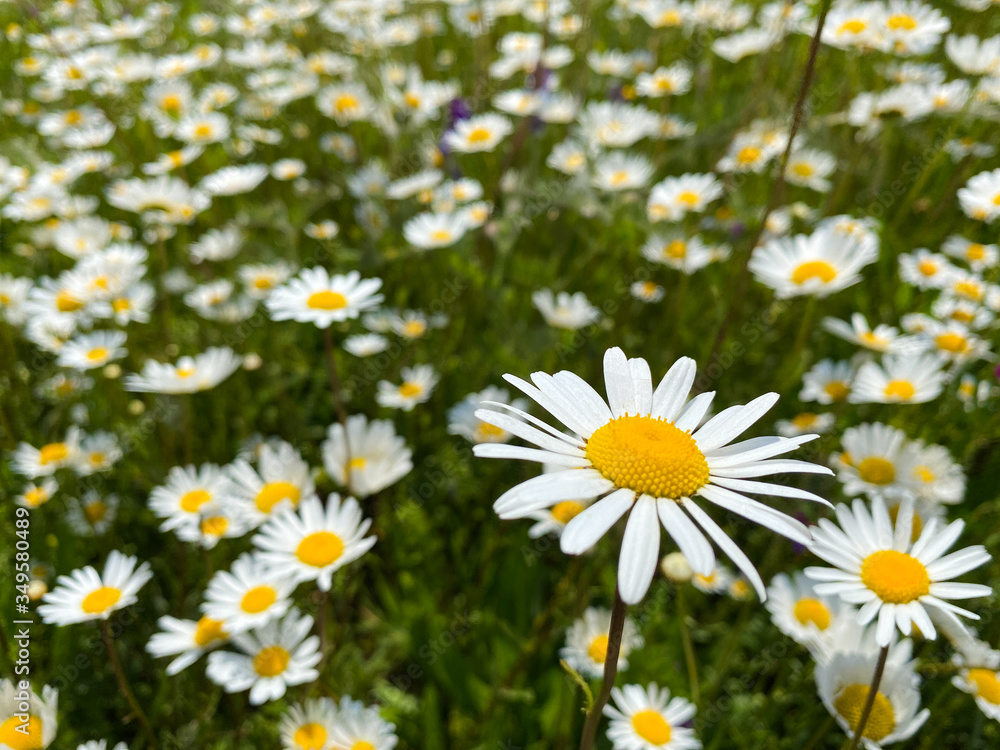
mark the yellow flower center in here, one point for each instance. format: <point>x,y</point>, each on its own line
<point>748,155</point>
<point>171,103</point>
<point>987,684</point>
<point>901,22</point>
<point>311,736</point>
<point>804,420</point>
<point>326,300</point>
<point>901,390</point>
<point>36,496</point>
<point>854,26</point>
<point>440,235</point>
<point>837,390</point>
<point>812,611</point>
<point>95,511</point>
<point>648,455</point>
<point>14,736</point>
<point>66,302</point>
<point>487,431</point>
<point>924,474</point>
<point>896,577</point>
<point>651,726</point>
<point>814,269</point>
<point>345,102</point>
<point>802,169</point>
<point>271,661</point>
<point>675,249</point>
<point>951,342</point>
<point>214,526</point>
<point>882,719</point>
<point>258,599</point>
<point>478,135</point>
<point>320,549</point>
<point>203,131</point>
<point>362,745</point>
<point>566,511</point>
<point>97,353</point>
<point>598,650</point>
<point>877,470</point>
<point>273,493</point>
<point>100,600</point>
<point>357,463</point>
<point>209,631</point>
<point>619,177</point>
<point>52,453</point>
<point>193,500</point>
<point>408,389</point>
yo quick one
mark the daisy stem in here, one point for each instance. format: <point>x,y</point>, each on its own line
<point>610,670</point>
<point>824,728</point>
<point>123,685</point>
<point>689,656</point>
<point>870,699</point>
<point>331,366</point>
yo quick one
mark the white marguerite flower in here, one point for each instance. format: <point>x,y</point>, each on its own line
<point>647,718</point>
<point>565,310</point>
<point>86,594</point>
<point>366,457</point>
<point>586,646</point>
<point>186,640</point>
<point>190,375</point>
<point>314,296</point>
<point>42,718</point>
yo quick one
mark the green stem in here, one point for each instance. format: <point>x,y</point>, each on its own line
<point>859,730</point>
<point>123,685</point>
<point>610,670</point>
<point>689,655</point>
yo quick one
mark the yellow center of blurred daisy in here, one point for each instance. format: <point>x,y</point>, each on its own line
<point>95,511</point>
<point>52,453</point>
<point>273,493</point>
<point>901,21</point>
<point>651,726</point>
<point>882,719</point>
<point>362,745</point>
<point>36,496</point>
<point>900,389</point>
<point>927,268</point>
<point>566,511</point>
<point>987,685</point>
<point>345,102</point>
<point>326,300</point>
<point>319,549</point>
<point>407,390</point>
<point>311,736</point>
<point>258,599</point>
<point>814,269</point>
<point>97,353</point>
<point>16,737</point>
<point>804,420</point>
<point>99,600</point>
<point>802,169</point>
<point>748,155</point>
<point>214,526</point>
<point>478,135</point>
<point>975,251</point>
<point>203,131</point>
<point>837,390</point>
<point>896,577</point>
<point>854,26</point>
<point>812,611</point>
<point>440,235</point>
<point>208,631</point>
<point>675,249</point>
<point>598,650</point>
<point>688,198</point>
<point>950,342</point>
<point>193,500</point>
<point>876,470</point>
<point>969,290</point>
<point>271,661</point>
<point>648,455</point>
<point>357,463</point>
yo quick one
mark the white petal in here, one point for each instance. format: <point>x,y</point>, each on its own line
<point>694,412</point>
<point>548,489</point>
<point>958,563</point>
<point>886,624</point>
<point>516,427</point>
<point>758,513</point>
<point>553,406</point>
<point>727,545</point>
<point>952,590</point>
<point>731,422</point>
<point>618,382</point>
<point>688,537</point>
<point>766,488</point>
<point>640,551</point>
<point>673,390</point>
<point>642,385</point>
<point>584,529</point>
<point>502,450</point>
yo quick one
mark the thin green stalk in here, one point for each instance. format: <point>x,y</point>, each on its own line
<point>610,670</point>
<point>859,730</point>
<point>689,655</point>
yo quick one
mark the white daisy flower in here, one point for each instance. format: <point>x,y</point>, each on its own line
<point>881,338</point>
<point>827,382</point>
<point>418,384</point>
<point>622,438</point>
<point>586,646</point>
<point>648,719</point>
<point>42,718</point>
<point>248,595</point>
<point>799,612</point>
<point>234,180</point>
<point>980,198</point>
<point>361,727</point>
<point>462,419</point>
<point>32,462</point>
<point>278,655</point>
<point>715,582</point>
<point>314,542</point>
<point>565,310</point>
<point>478,133</point>
<point>309,725</point>
<point>92,350</point>
<point>880,568</point>
<point>872,460</point>
<point>427,231</point>
<point>900,379</point>
<point>187,491</point>
<point>36,494</point>
<point>190,375</point>
<point>314,296</point>
<point>185,639</point>
<point>281,479</point>
<point>369,457</point>
<point>86,595</point>
<point>805,422</point>
<point>674,197</point>
<point>366,344</point>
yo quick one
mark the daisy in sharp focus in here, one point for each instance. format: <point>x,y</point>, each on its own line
<point>586,646</point>
<point>247,595</point>
<point>418,384</point>
<point>87,595</point>
<point>646,718</point>
<point>367,457</point>
<point>186,640</point>
<point>315,541</point>
<point>644,454</point>
<point>314,296</point>
<point>892,578</point>
<point>275,656</point>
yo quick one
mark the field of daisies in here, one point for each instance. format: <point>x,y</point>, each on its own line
<point>499,374</point>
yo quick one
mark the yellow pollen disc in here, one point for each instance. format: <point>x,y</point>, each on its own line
<point>185,372</point>
<point>924,474</point>
<point>100,600</point>
<point>837,390</point>
<point>574,161</point>
<point>670,18</point>
<point>14,736</point>
<point>407,390</point>
<point>193,500</point>
<point>97,353</point>
<point>812,611</point>
<point>882,719</point>
<point>901,390</point>
<point>262,282</point>
<point>66,302</point>
<point>804,420</point>
<point>95,511</point>
<point>485,430</point>
<point>52,453</point>
<point>320,549</point>
<point>73,117</point>
<point>896,577</point>
<point>209,631</point>
<point>412,100</point>
<point>877,470</point>
<point>415,328</point>
<point>271,661</point>
<point>345,102</point>
<point>675,249</point>
<point>802,169</point>
<point>478,135</point>
<point>357,463</point>
<point>651,726</point>
<point>951,342</point>
<point>648,455</point>
<point>619,177</point>
<point>258,599</point>
<point>440,235</point>
<point>598,650</point>
<point>203,131</point>
<point>362,745</point>
<point>214,526</point>
<point>273,493</point>
<point>814,269</point>
<point>36,496</point>
<point>987,684</point>
<point>748,155</point>
<point>311,736</point>
<point>854,26</point>
<point>969,290</point>
<point>901,21</point>
<point>326,300</point>
<point>4,299</point>
<point>996,199</point>
<point>171,103</point>
<point>566,511</point>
